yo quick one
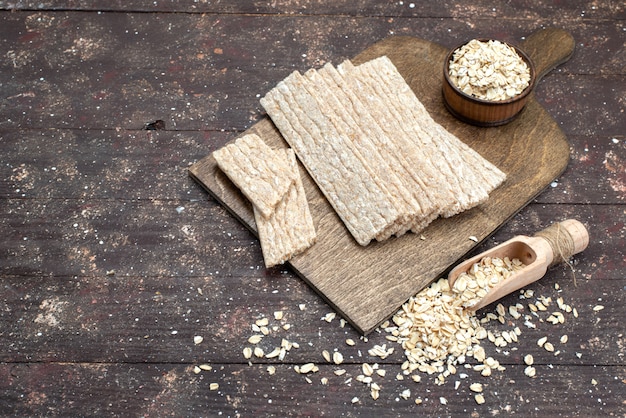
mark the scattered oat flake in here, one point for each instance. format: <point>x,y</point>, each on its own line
<point>350,342</point>
<point>214,386</point>
<point>274,353</point>
<point>367,369</point>
<point>541,341</point>
<point>354,400</point>
<point>473,238</point>
<point>255,339</point>
<point>594,382</point>
<point>302,306</point>
<point>443,400</point>
<point>375,393</point>
<point>479,398</point>
<point>340,372</point>
<point>307,368</point>
<point>247,352</point>
<point>197,339</point>
<point>529,360</point>
<point>337,357</point>
<point>206,367</point>
<point>329,317</point>
<point>278,315</point>
<point>418,401</point>
<point>196,369</point>
<point>476,387</point>
<point>271,370</point>
<point>564,339</point>
<point>598,308</point>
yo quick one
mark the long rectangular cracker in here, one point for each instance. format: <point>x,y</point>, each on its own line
<point>400,148</point>
<point>363,144</point>
<point>416,134</point>
<point>354,193</point>
<point>251,165</point>
<point>289,230</point>
<point>382,162</point>
<point>472,175</point>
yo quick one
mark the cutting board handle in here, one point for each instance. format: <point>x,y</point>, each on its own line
<point>548,48</point>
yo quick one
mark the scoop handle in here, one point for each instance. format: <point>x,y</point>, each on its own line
<point>566,238</point>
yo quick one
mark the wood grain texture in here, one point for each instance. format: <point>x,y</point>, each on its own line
<point>172,389</point>
<point>124,63</point>
<point>446,9</point>
<point>368,284</point>
<point>99,318</point>
<point>33,168</point>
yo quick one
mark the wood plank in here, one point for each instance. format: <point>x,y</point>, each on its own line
<point>129,237</point>
<point>153,292</point>
<point>596,172</point>
<point>152,165</point>
<point>580,9</point>
<point>173,389</point>
<point>152,238</point>
<point>129,164</point>
<point>367,284</point>
<point>59,306</point>
<point>118,75</point>
<point>123,318</point>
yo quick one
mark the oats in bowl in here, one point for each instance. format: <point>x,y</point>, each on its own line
<point>489,70</point>
<point>487,82</point>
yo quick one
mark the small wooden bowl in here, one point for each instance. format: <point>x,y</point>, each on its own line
<point>481,112</point>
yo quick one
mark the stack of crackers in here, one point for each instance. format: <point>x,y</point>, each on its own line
<point>383,163</point>
<point>270,179</point>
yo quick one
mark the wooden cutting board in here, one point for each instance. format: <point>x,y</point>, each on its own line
<point>366,285</point>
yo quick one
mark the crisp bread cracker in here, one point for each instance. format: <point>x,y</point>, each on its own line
<point>473,176</point>
<point>251,165</point>
<point>420,148</point>
<point>401,148</point>
<point>356,197</point>
<point>374,151</point>
<point>289,230</point>
<point>365,144</point>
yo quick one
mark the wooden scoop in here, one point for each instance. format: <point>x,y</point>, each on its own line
<point>546,248</point>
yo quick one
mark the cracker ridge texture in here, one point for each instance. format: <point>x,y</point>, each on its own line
<point>382,162</point>
<point>251,165</point>
<point>289,230</point>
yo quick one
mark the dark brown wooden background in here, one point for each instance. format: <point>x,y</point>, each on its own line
<point>106,240</point>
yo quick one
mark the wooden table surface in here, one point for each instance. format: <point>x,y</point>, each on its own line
<point>113,259</point>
